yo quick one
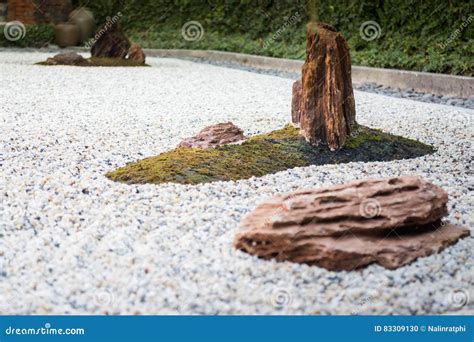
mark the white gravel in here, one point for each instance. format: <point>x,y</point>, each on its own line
<point>74,242</point>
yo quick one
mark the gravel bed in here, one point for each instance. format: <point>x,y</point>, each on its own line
<point>74,242</point>
<point>366,86</point>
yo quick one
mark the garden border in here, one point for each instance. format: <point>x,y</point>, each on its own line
<point>439,84</point>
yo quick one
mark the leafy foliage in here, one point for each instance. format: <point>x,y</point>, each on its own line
<point>35,36</point>
<point>431,35</point>
<point>413,33</point>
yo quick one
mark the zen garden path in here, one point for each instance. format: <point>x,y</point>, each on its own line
<point>76,242</point>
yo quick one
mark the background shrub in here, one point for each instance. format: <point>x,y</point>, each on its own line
<point>35,36</point>
<point>416,35</point>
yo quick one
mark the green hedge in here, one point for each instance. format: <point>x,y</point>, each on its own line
<point>430,35</point>
<point>413,32</point>
<point>34,36</point>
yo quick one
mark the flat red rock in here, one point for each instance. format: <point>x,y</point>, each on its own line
<point>389,221</point>
<point>68,58</point>
<point>215,135</point>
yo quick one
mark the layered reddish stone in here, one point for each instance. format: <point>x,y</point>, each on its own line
<point>388,221</point>
<point>323,105</point>
<point>215,135</point>
<point>112,42</point>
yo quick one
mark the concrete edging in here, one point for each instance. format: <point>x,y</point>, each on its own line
<point>439,84</point>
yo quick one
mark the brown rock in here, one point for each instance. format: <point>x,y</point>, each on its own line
<point>296,102</point>
<point>136,54</point>
<point>327,107</point>
<point>389,221</point>
<point>68,58</point>
<point>212,136</point>
<point>112,42</point>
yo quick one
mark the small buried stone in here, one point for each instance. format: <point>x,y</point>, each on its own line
<point>390,221</point>
<point>136,54</point>
<point>215,135</point>
<point>67,58</point>
<point>95,62</point>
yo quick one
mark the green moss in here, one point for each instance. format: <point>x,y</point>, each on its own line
<point>361,135</point>
<point>257,156</point>
<point>114,62</point>
<point>264,154</point>
<point>107,62</point>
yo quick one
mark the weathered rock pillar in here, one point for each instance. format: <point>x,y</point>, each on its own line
<point>324,105</point>
<point>111,42</point>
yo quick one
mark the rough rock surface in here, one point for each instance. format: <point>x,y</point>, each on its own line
<point>112,43</point>
<point>390,221</point>
<point>215,135</point>
<point>67,58</point>
<point>136,54</point>
<point>327,112</point>
<point>296,102</point>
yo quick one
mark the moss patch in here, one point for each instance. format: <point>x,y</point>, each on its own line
<point>111,62</point>
<point>264,154</point>
<point>107,62</point>
<point>361,135</point>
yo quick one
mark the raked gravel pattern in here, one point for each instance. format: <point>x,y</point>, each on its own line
<point>74,242</point>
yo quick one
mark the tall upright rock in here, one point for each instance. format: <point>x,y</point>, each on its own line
<point>323,105</point>
<point>111,41</point>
